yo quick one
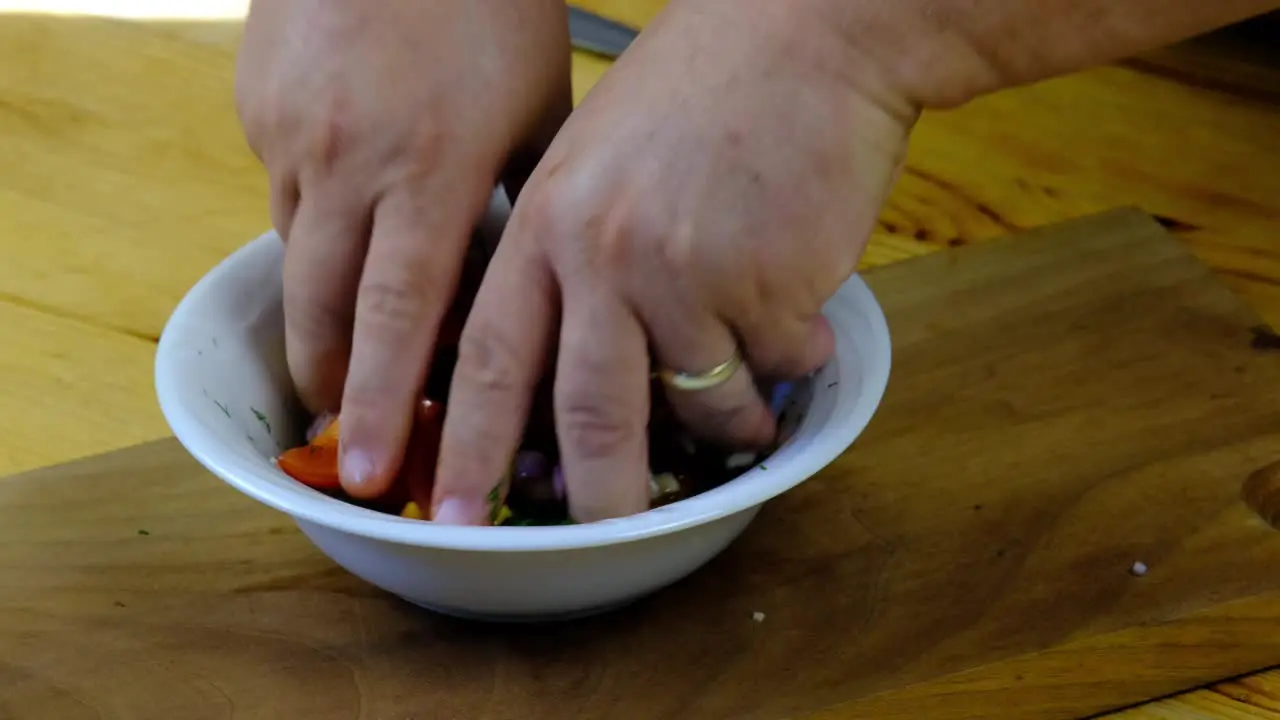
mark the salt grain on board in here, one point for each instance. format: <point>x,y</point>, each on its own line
<point>757,616</point>
<point>1139,568</point>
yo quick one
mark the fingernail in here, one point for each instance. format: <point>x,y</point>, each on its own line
<point>455,511</point>
<point>357,468</point>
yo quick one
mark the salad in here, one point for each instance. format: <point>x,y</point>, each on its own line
<point>533,493</point>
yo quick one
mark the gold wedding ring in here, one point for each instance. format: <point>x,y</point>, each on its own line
<point>714,377</point>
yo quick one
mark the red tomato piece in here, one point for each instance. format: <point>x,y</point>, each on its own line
<point>417,473</point>
<point>451,330</point>
<point>316,463</point>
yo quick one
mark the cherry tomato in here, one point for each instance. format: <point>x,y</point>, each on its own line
<point>417,473</point>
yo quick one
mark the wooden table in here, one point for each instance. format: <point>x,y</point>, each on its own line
<point>123,178</point>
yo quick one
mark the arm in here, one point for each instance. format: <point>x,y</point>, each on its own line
<point>943,53</point>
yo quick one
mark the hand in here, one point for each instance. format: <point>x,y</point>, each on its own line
<point>713,192</point>
<point>385,127</point>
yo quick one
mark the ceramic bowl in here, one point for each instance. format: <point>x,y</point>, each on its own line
<point>224,388</point>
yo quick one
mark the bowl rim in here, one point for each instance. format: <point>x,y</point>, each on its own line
<point>743,494</point>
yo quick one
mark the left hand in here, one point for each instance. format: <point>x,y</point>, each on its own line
<point>711,194</point>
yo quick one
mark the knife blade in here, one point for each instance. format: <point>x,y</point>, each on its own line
<point>600,35</point>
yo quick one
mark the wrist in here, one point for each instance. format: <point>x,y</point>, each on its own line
<point>943,53</point>
<point>918,53</point>
<point>811,40</point>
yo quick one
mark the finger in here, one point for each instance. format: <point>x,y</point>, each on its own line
<point>686,338</point>
<point>501,358</point>
<point>787,349</point>
<point>689,340</point>
<point>411,273</point>
<point>284,202</point>
<point>322,265</point>
<point>602,406</point>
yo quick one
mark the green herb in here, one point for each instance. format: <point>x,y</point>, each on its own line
<point>142,531</point>
<point>215,342</point>
<point>262,418</point>
<point>763,466</point>
<point>225,410</point>
<point>495,501</point>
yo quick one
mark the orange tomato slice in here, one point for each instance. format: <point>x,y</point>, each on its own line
<point>328,437</point>
<point>316,463</point>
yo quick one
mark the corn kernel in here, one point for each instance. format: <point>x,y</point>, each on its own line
<point>412,511</point>
<point>504,514</point>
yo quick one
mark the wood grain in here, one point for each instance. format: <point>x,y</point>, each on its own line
<point>125,178</point>
<point>1095,401</point>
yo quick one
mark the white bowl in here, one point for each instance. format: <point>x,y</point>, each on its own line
<point>225,390</point>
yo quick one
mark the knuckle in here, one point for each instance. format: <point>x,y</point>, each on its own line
<point>595,427</point>
<point>552,214</point>
<point>677,253</point>
<point>609,232</point>
<point>323,133</point>
<point>487,361</point>
<point>622,237</point>
<point>322,317</point>
<point>330,136</point>
<point>427,145</point>
<point>391,303</point>
<point>748,294</point>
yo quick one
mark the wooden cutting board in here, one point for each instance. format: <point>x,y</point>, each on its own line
<point>1064,404</point>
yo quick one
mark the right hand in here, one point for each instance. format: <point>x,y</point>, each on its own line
<point>384,127</point>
